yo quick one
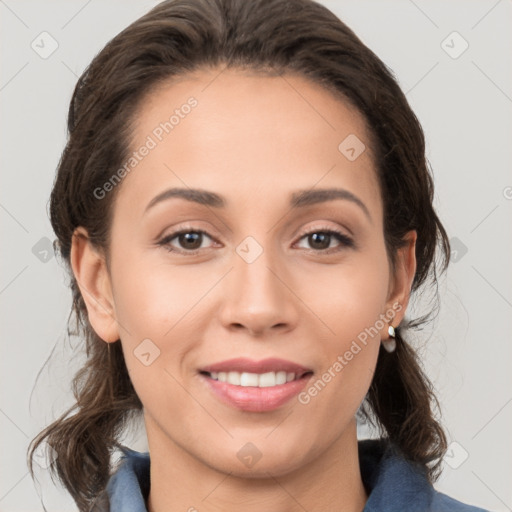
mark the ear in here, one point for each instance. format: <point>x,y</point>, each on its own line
<point>91,273</point>
<point>400,282</point>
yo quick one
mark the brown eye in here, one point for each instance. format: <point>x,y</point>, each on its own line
<point>185,241</point>
<point>320,240</point>
<point>190,240</point>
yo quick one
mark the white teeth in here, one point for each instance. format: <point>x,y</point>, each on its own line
<point>281,378</point>
<point>261,380</point>
<point>234,378</point>
<point>248,379</point>
<point>267,380</point>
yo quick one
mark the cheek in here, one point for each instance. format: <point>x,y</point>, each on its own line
<point>350,301</point>
<point>348,297</point>
<point>157,307</point>
<point>153,300</point>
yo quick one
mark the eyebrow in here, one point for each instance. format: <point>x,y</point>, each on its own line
<point>298,199</point>
<point>303,198</point>
<point>190,194</point>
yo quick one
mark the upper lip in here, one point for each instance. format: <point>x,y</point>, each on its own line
<point>243,364</point>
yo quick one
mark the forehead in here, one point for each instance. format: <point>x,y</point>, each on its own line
<point>248,136</point>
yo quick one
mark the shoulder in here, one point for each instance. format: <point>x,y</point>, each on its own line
<point>443,503</point>
<point>395,483</point>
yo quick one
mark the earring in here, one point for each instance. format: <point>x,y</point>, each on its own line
<point>390,344</point>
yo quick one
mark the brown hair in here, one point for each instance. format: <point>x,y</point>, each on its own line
<point>276,36</point>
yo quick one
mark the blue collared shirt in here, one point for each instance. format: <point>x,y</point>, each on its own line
<point>391,482</point>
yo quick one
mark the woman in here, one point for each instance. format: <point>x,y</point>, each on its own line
<point>267,137</point>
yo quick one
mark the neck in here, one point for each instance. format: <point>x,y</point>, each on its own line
<point>181,482</point>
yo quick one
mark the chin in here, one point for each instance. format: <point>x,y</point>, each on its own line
<point>259,459</point>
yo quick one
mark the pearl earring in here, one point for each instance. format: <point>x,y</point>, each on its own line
<point>390,344</point>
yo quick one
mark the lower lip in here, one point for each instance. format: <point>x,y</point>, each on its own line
<point>255,399</point>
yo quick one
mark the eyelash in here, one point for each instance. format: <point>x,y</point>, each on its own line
<point>344,240</point>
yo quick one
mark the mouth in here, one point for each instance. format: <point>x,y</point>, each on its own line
<point>255,386</point>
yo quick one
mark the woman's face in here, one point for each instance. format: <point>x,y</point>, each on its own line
<point>271,267</point>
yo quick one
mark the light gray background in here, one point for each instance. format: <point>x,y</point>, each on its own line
<point>464,105</point>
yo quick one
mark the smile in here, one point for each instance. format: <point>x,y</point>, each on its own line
<point>255,392</point>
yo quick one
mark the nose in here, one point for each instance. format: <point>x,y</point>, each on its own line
<point>258,297</point>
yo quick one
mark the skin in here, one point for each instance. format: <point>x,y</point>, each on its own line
<point>254,140</point>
